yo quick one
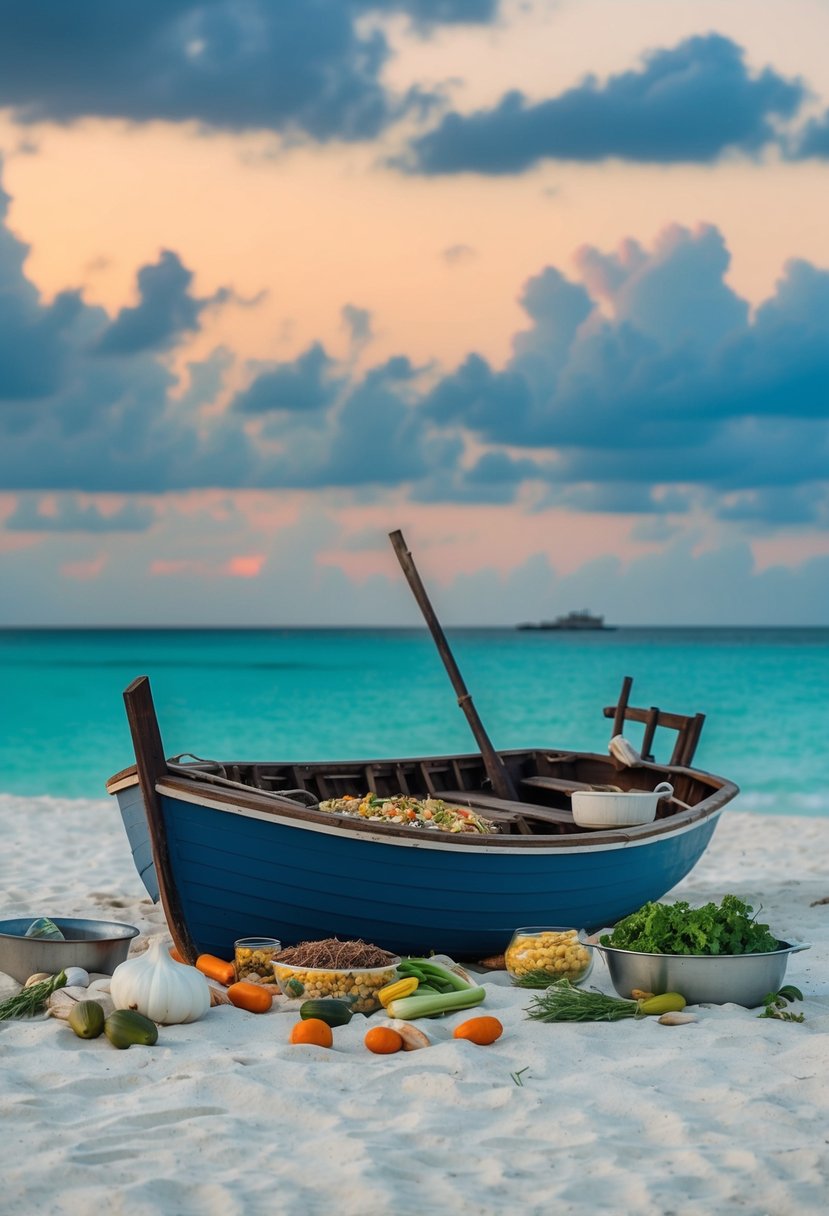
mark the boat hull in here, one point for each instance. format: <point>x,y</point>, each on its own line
<point>239,872</point>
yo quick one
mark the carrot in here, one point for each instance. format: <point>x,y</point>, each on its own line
<point>312,1030</point>
<point>252,997</point>
<point>383,1041</point>
<point>483,1030</point>
<point>216,968</point>
<point>175,956</point>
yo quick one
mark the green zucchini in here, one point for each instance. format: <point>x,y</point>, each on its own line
<point>87,1019</point>
<point>126,1026</point>
<point>330,1011</point>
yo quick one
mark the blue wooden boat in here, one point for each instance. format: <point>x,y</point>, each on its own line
<point>236,849</point>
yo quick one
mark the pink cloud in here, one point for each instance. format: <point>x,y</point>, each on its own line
<point>244,566</point>
<point>85,569</point>
<point>241,566</point>
<point>162,567</point>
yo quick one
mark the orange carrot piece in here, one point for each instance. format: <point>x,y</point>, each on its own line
<point>175,956</point>
<point>252,997</point>
<point>216,968</point>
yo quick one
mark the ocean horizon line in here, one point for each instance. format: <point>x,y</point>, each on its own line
<point>419,628</point>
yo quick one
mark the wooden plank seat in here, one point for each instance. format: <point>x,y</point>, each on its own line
<point>503,810</point>
<point>561,785</point>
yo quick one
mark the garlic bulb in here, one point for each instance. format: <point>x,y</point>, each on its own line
<point>162,990</point>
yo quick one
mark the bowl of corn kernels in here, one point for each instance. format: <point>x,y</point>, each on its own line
<point>539,955</point>
<point>358,986</point>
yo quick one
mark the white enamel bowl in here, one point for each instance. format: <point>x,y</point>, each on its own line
<point>617,809</point>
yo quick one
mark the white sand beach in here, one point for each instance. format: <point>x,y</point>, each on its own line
<point>225,1117</point>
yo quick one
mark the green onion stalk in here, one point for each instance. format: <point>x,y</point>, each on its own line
<point>32,999</point>
<point>563,1002</point>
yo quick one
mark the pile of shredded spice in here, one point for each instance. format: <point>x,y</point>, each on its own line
<point>410,812</point>
<point>333,953</point>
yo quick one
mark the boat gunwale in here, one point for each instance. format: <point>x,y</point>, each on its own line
<point>390,834</point>
<point>263,801</point>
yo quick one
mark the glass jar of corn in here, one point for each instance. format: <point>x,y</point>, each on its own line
<point>537,955</point>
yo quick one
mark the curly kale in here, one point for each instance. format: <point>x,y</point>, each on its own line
<point>680,929</point>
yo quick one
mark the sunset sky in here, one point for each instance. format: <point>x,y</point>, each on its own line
<point>544,283</point>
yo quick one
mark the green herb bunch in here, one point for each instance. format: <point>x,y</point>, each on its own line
<point>32,999</point>
<point>678,928</point>
<point>775,1005</point>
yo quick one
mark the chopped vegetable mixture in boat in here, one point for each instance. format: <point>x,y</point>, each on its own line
<point>410,812</point>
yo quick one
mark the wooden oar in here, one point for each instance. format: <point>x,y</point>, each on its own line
<point>494,765</point>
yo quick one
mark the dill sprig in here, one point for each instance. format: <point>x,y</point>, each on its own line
<point>563,1002</point>
<point>30,1000</point>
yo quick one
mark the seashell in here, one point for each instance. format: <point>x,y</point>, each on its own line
<point>413,1037</point>
<point>495,962</point>
<point>218,994</point>
<point>63,1001</point>
<point>622,749</point>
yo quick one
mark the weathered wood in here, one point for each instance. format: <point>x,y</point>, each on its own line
<point>688,728</point>
<point>651,723</point>
<point>495,767</point>
<point>488,804</point>
<point>151,766</point>
<point>561,785</point>
<point>619,709</point>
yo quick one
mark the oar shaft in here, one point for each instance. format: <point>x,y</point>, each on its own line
<point>495,767</point>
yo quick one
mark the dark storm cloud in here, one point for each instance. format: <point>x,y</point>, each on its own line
<point>692,103</point>
<point>281,65</point>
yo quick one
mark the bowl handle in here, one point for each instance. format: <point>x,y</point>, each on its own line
<point>796,947</point>
<point>664,789</point>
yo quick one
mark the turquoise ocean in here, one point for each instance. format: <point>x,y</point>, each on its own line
<point>252,694</point>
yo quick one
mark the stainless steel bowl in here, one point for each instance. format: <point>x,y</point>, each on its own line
<point>95,945</point>
<point>715,979</point>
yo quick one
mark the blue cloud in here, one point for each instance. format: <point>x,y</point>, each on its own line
<point>813,140</point>
<point>692,103</point>
<point>358,323</point>
<point>373,436</point>
<point>69,516</point>
<point>647,370</point>
<point>166,311</point>
<point>303,385</point>
<point>294,66</point>
<point>34,340</point>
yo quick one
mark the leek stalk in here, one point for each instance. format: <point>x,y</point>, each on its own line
<point>434,974</point>
<point>424,1006</point>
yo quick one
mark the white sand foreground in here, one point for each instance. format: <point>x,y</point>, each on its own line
<point>224,1117</point>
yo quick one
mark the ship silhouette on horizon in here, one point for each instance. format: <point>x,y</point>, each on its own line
<point>576,622</point>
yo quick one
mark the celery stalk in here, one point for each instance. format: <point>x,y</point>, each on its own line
<point>417,1006</point>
